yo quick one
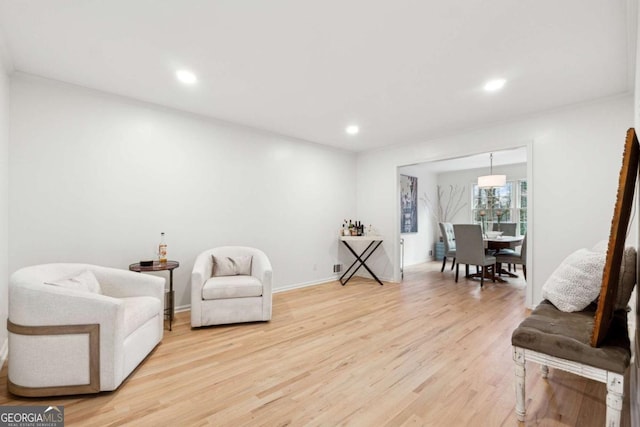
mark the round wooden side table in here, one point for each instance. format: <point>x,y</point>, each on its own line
<point>161,266</point>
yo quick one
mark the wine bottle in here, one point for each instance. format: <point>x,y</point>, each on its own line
<point>162,250</point>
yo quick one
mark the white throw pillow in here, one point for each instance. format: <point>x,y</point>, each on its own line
<point>601,246</point>
<point>627,277</point>
<point>231,266</point>
<point>576,282</point>
<point>85,281</point>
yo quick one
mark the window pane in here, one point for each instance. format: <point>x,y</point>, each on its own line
<point>495,201</point>
<point>501,204</point>
<point>523,221</point>
<point>523,193</point>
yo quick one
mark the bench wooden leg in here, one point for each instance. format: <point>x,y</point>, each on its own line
<point>518,357</point>
<point>614,381</point>
<point>615,393</point>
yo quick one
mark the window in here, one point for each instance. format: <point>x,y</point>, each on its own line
<point>501,204</point>
<point>522,206</point>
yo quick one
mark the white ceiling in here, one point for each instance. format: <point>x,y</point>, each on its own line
<point>478,161</point>
<point>403,70</point>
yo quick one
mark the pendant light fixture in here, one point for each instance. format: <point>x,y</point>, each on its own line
<point>492,180</point>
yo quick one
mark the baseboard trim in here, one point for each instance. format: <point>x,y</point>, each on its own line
<point>183,308</point>
<point>306,284</point>
<point>382,278</point>
<point>324,281</point>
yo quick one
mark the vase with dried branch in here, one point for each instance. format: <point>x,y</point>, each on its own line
<point>448,202</point>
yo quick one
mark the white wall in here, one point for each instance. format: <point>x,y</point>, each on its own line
<point>575,162</point>
<point>417,245</point>
<point>4,195</point>
<point>95,178</point>
<point>466,178</point>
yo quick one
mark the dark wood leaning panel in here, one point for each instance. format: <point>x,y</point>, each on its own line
<point>617,237</point>
<point>94,359</point>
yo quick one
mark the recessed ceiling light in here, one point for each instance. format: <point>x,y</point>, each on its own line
<point>352,130</point>
<point>493,85</point>
<point>186,77</point>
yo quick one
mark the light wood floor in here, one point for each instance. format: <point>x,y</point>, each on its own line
<point>427,352</point>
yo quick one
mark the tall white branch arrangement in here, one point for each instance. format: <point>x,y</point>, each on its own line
<point>447,204</point>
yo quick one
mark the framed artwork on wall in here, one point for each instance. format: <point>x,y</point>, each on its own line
<point>408,204</point>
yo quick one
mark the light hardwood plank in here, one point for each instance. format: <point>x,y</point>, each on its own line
<point>425,352</point>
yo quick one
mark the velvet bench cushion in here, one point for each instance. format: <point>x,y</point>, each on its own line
<point>567,335</point>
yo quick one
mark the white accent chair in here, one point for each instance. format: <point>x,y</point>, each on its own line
<point>69,341</point>
<point>230,299</point>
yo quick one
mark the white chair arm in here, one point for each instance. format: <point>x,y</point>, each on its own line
<point>200,273</point>
<point>122,283</point>
<point>61,306</point>
<point>261,270</point>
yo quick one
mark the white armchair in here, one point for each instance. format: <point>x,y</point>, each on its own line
<point>65,340</point>
<point>234,298</point>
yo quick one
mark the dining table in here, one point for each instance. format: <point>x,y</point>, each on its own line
<point>503,242</point>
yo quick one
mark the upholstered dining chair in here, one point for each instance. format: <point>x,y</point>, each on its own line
<point>507,228</point>
<point>515,257</point>
<point>470,251</point>
<point>449,239</point>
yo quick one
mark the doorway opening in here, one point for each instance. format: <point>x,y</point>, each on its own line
<point>447,191</point>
